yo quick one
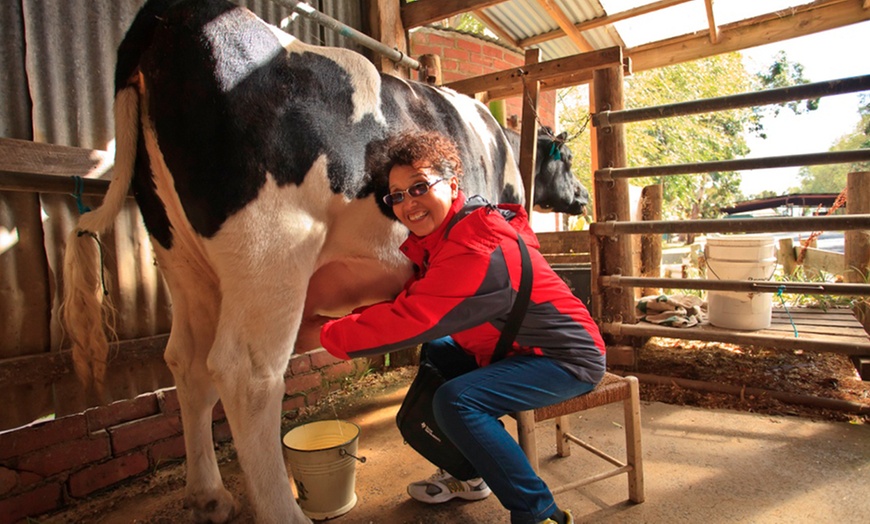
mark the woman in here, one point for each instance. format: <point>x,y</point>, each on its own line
<point>468,268</point>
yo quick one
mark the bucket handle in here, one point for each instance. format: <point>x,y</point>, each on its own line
<point>342,452</point>
<point>717,276</point>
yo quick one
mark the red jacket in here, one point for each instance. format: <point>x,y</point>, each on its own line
<point>468,274</point>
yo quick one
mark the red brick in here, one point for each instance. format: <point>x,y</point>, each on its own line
<point>340,370</point>
<point>221,431</point>
<point>493,51</point>
<point>451,76</point>
<point>8,480</point>
<point>472,47</point>
<point>473,69</point>
<point>440,40</point>
<point>168,401</point>
<point>123,411</point>
<point>37,501</point>
<point>139,433</point>
<point>449,65</point>
<point>321,358</point>
<point>485,61</point>
<point>514,59</point>
<point>218,413</point>
<point>22,441</point>
<point>456,54</point>
<point>169,449</point>
<point>501,65</point>
<point>300,364</point>
<point>293,402</point>
<point>302,383</point>
<point>69,455</point>
<point>97,477</point>
<point>417,50</point>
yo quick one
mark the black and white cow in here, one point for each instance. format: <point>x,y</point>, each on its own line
<point>246,152</point>
<point>556,188</point>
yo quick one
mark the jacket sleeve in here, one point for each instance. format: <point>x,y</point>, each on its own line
<point>459,291</point>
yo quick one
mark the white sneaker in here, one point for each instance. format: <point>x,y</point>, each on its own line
<point>442,487</point>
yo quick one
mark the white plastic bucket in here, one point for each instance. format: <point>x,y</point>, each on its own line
<point>740,257</point>
<point>322,458</point>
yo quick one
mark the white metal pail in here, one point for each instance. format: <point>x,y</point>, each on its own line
<point>322,458</point>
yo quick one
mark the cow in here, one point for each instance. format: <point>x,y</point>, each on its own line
<point>556,188</point>
<point>246,151</point>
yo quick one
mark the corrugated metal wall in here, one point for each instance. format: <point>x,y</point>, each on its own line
<point>58,59</point>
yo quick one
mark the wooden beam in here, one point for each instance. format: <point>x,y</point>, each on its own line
<point>562,20</point>
<point>529,133</point>
<point>601,20</point>
<point>387,29</point>
<point>711,22</point>
<point>493,26</point>
<point>424,12</point>
<point>772,27</point>
<point>512,80</point>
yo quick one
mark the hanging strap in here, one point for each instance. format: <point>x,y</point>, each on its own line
<point>521,304</point>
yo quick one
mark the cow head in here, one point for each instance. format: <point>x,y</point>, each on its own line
<point>556,188</point>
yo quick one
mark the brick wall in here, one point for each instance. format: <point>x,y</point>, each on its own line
<point>46,466</point>
<point>465,56</point>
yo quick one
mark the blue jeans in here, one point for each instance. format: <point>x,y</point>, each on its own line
<point>467,408</point>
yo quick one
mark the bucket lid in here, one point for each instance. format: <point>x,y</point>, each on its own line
<point>321,435</point>
<point>740,240</point>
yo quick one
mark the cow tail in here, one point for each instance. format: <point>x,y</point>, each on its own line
<point>86,305</point>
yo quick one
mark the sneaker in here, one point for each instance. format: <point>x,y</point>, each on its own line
<point>568,518</point>
<point>442,487</point>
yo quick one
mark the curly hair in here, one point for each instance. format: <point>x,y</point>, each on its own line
<point>406,149</point>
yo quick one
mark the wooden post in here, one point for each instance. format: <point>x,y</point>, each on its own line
<point>857,251</point>
<point>430,72</point>
<point>651,245</point>
<point>857,242</point>
<point>529,132</point>
<point>386,27</point>
<point>611,199</point>
<point>787,256</point>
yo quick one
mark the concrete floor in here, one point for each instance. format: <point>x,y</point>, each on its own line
<point>700,466</point>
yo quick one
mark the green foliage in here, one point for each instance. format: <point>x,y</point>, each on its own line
<point>679,140</point>
<point>783,73</point>
<point>469,24</point>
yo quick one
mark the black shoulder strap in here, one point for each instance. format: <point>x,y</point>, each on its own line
<point>521,304</point>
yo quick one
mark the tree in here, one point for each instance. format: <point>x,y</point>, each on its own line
<point>679,140</point>
<point>832,178</point>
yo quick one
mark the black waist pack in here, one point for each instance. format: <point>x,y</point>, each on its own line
<point>416,419</point>
<point>417,425</point>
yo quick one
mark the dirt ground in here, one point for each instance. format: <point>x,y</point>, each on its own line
<point>373,401</point>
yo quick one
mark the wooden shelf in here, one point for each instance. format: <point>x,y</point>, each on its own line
<point>834,330</point>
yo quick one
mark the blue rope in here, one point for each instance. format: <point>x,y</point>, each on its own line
<point>77,194</point>
<point>779,291</point>
<point>555,152</point>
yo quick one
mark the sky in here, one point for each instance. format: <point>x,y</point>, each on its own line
<point>828,55</point>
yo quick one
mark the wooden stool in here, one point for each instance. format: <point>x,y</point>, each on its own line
<point>612,388</point>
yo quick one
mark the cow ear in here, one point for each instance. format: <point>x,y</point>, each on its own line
<point>561,137</point>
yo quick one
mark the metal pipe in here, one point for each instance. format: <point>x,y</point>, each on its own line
<point>361,38</point>
<point>33,182</point>
<point>734,225</point>
<point>750,338</point>
<point>757,286</point>
<point>808,159</point>
<point>759,98</point>
<point>712,387</point>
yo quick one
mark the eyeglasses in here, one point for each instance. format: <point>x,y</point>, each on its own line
<point>416,190</point>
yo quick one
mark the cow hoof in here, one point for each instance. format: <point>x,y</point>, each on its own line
<point>217,508</point>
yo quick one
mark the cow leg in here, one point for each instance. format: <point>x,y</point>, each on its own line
<point>195,304</point>
<point>253,345</point>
